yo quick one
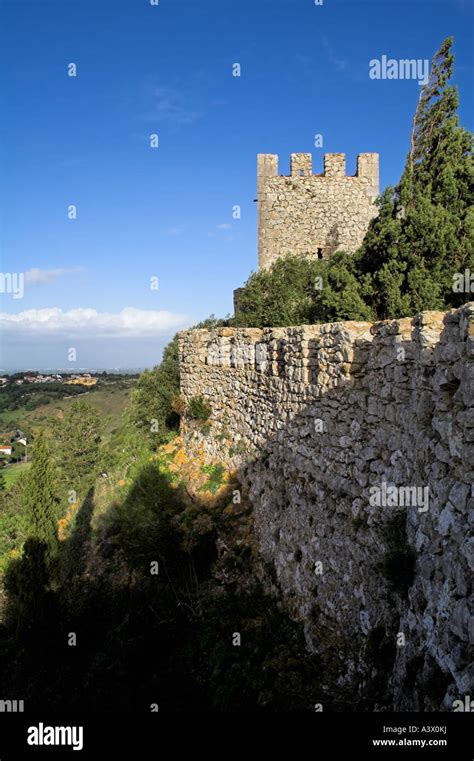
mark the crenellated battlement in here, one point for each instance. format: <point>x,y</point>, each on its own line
<point>301,165</point>
<point>314,214</point>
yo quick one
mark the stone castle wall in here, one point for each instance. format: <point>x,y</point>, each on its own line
<point>314,214</point>
<point>314,418</point>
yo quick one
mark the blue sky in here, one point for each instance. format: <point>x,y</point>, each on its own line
<point>167,212</point>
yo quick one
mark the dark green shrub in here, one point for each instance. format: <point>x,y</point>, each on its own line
<point>216,477</point>
<point>198,409</point>
<point>152,408</point>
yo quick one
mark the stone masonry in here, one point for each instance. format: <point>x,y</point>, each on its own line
<point>314,418</point>
<point>314,214</point>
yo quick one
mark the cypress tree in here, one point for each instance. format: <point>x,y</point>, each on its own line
<point>40,500</point>
<point>78,438</point>
<point>424,233</point>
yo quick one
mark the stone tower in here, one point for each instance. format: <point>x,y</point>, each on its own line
<point>314,214</point>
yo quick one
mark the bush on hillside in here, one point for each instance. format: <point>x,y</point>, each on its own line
<point>198,409</point>
<point>156,406</point>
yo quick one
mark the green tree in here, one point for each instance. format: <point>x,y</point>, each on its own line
<point>40,500</point>
<point>155,408</point>
<point>282,295</point>
<point>78,442</point>
<point>14,522</point>
<point>3,484</point>
<point>424,233</point>
<point>297,290</point>
<point>152,398</point>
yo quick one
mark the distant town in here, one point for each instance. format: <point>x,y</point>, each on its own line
<point>18,379</point>
<point>28,397</point>
<point>32,388</point>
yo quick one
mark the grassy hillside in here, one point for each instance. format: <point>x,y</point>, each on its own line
<point>157,558</point>
<point>109,399</point>
<point>13,472</point>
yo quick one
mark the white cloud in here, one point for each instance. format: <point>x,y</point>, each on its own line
<point>176,230</point>
<point>222,226</point>
<point>38,276</point>
<point>170,106</point>
<point>90,324</point>
<point>338,62</point>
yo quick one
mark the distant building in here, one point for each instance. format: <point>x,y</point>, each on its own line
<point>81,381</point>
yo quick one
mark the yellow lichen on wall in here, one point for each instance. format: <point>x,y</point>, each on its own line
<point>194,473</point>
